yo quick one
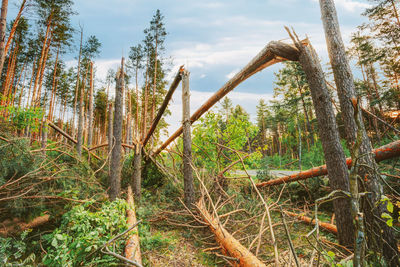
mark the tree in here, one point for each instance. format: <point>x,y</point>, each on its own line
<point>115,162</point>
<point>385,243</point>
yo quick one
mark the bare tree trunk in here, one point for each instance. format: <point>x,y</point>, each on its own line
<point>3,25</point>
<point>380,237</point>
<point>3,53</point>
<point>137,172</point>
<point>187,142</point>
<point>80,121</point>
<point>77,85</point>
<point>90,116</point>
<point>53,91</point>
<point>115,164</point>
<point>110,129</point>
<point>329,135</point>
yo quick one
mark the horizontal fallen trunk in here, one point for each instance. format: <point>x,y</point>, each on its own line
<point>326,226</point>
<point>388,151</point>
<point>132,247</point>
<point>17,227</point>
<point>273,52</point>
<point>229,244</point>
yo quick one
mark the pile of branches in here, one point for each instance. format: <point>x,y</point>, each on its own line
<point>36,181</point>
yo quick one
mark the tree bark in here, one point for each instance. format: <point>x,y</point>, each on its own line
<point>110,129</point>
<point>79,136</point>
<point>115,164</point>
<point>77,85</point>
<point>3,25</point>
<point>329,135</point>
<point>380,237</point>
<point>137,171</point>
<point>90,116</point>
<point>187,142</point>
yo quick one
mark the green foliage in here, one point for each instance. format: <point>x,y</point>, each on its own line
<point>83,231</point>
<point>231,128</point>
<point>13,250</point>
<point>23,117</point>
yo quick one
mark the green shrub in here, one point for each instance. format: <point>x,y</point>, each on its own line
<point>83,231</point>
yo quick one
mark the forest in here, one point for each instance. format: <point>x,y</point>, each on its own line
<point>91,176</point>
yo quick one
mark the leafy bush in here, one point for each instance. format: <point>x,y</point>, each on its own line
<point>23,117</point>
<point>83,231</point>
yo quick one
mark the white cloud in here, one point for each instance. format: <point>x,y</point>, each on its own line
<point>232,73</point>
<point>350,5</point>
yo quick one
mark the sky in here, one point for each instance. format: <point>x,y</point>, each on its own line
<point>214,39</point>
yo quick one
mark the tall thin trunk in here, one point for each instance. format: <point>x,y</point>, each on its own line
<point>137,171</point>
<point>187,142</point>
<point>53,91</point>
<point>90,116</point>
<point>77,85</point>
<point>3,25</point>
<point>40,63</point>
<point>379,236</point>
<point>110,128</point>
<point>43,67</point>
<point>115,164</point>
<point>11,36</point>
<point>79,137</point>
<point>144,113</point>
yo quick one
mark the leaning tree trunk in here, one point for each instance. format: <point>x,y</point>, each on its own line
<point>380,237</point>
<point>115,164</point>
<point>329,135</point>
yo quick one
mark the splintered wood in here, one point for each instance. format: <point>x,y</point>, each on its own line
<point>228,243</point>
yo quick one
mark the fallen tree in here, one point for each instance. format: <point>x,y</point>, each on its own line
<point>228,243</point>
<point>132,247</point>
<point>11,227</point>
<point>388,151</point>
<point>326,226</point>
<point>273,52</point>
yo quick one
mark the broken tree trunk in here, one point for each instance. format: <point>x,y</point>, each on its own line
<point>164,105</point>
<point>273,53</point>
<point>132,247</point>
<point>79,136</point>
<point>329,135</point>
<point>18,227</point>
<point>227,242</point>
<point>187,142</point>
<point>326,226</point>
<point>116,153</point>
<point>388,151</point>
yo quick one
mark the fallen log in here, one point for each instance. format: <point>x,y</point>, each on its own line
<point>326,226</point>
<point>229,244</point>
<point>18,226</point>
<point>132,247</point>
<point>66,135</point>
<point>388,151</point>
<point>272,53</point>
